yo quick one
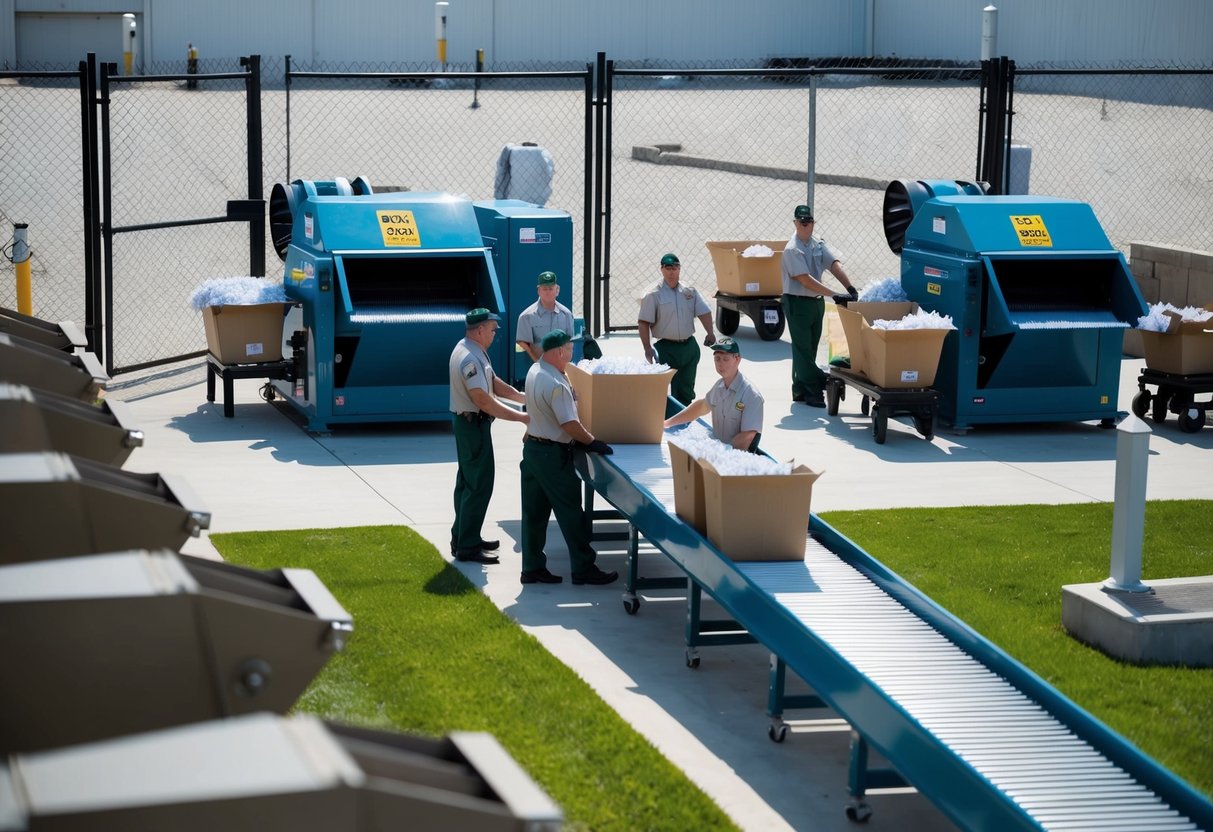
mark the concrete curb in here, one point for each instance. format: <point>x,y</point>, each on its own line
<point>669,154</point>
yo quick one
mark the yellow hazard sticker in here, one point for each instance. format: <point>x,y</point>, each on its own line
<point>934,289</point>
<point>398,228</point>
<point>1030,228</point>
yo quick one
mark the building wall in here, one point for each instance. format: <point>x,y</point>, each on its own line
<point>671,32</point>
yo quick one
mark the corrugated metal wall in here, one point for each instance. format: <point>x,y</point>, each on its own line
<point>673,31</point>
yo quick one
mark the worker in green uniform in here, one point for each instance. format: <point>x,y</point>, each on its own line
<point>804,262</point>
<point>667,313</point>
<point>734,403</point>
<point>475,401</point>
<point>549,481</point>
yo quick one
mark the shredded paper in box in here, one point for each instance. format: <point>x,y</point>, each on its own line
<point>1156,320</point>
<point>699,443</point>
<point>237,291</point>
<point>757,250</point>
<point>886,290</point>
<point>920,319</point>
<point>619,365</point>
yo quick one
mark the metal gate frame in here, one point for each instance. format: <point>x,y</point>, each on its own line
<point>250,210</point>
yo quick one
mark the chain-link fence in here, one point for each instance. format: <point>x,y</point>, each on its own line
<point>41,183</point>
<point>1135,144</point>
<point>748,137</point>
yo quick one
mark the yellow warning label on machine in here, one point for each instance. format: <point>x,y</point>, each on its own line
<point>1031,230</point>
<point>398,228</point>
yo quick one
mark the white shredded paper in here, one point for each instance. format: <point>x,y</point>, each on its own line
<point>1156,321</point>
<point>885,290</point>
<point>920,319</point>
<point>757,250</point>
<point>699,443</point>
<point>620,365</point>
<point>237,291</point>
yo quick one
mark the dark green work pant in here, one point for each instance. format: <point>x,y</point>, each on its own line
<point>550,484</point>
<point>473,480</point>
<point>682,356</point>
<point>805,316</point>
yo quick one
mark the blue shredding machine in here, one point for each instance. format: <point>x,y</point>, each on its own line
<point>382,282</point>
<point>1038,294</point>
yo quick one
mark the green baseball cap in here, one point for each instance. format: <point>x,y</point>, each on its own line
<point>802,212</point>
<point>479,316</point>
<point>555,338</point>
<point>669,259</point>
<point>547,278</point>
<point>726,345</point>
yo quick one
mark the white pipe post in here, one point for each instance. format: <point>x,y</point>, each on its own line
<point>1129,513</point>
<point>989,32</point>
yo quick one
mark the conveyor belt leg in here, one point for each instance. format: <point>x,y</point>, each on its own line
<point>861,778</point>
<point>777,701</point>
<point>710,632</point>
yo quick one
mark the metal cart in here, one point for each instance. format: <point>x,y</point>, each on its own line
<point>766,311</point>
<point>1175,393</point>
<point>883,402</point>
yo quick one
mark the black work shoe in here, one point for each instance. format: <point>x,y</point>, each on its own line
<point>817,400</point>
<point>540,576</point>
<point>475,556</point>
<point>798,397</point>
<point>490,545</point>
<point>595,576</point>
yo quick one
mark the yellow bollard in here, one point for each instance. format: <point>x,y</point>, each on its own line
<point>25,288</point>
<point>441,9</point>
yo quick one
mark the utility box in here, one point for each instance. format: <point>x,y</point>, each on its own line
<point>526,240</point>
<point>38,420</point>
<point>118,643</point>
<point>55,506</point>
<point>266,772</point>
<point>35,365</point>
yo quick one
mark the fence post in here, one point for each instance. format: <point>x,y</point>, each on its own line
<point>286,82</point>
<point>811,179</point>
<point>252,85</point>
<point>89,166</point>
<point>476,82</point>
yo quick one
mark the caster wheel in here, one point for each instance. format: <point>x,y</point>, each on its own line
<point>1191,419</point>
<point>631,605</point>
<point>770,328</point>
<point>859,811</point>
<point>267,392</point>
<point>926,426</point>
<point>727,320</point>
<point>777,733</point>
<point>865,405</point>
<point>1141,404</point>
<point>880,424</point>
<point>692,660</point>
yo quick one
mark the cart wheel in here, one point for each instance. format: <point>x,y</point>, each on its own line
<point>727,320</point>
<point>1141,404</point>
<point>925,425</point>
<point>865,405</point>
<point>692,658</point>
<point>859,811</point>
<point>833,394</point>
<point>770,332</point>
<point>631,605</point>
<point>267,391</point>
<point>1191,419</point>
<point>777,732</point>
<point>880,424</point>
<point>1162,402</point>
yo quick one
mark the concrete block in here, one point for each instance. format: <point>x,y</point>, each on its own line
<point>1172,283</point>
<point>1149,288</point>
<point>1200,287</point>
<point>1141,268</point>
<point>1202,261</point>
<point>1160,253</point>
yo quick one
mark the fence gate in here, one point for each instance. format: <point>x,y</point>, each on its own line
<point>175,146</point>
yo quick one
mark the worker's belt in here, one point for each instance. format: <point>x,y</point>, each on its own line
<point>676,340</point>
<point>475,416</point>
<point>542,441</point>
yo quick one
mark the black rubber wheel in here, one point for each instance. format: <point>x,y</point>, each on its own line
<point>925,424</point>
<point>1162,401</point>
<point>833,394</point>
<point>865,405</point>
<point>880,424</point>
<point>727,320</point>
<point>631,605</point>
<point>777,733</point>
<point>1141,404</point>
<point>693,662</point>
<point>267,392</point>
<point>771,332</point>
<point>859,812</point>
<point>1191,419</point>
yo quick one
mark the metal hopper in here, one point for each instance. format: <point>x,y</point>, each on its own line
<point>38,420</point>
<point>65,335</point>
<point>71,374</point>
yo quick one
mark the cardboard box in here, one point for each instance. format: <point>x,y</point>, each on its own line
<point>688,488</point>
<point>747,276</point>
<point>758,518</point>
<point>249,334</point>
<point>628,409</point>
<point>1185,349</point>
<point>891,358</point>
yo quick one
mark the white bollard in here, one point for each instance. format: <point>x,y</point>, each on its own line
<point>1129,513</point>
<point>989,32</point>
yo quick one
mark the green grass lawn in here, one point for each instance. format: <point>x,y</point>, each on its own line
<point>1001,569</point>
<point>431,654</point>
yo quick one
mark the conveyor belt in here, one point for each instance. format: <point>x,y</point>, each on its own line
<point>990,743</point>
